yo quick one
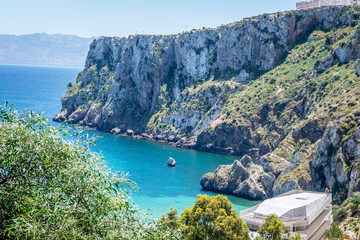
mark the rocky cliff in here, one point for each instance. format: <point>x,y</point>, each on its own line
<point>281,88</point>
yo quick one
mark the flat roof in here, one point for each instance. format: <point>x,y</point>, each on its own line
<point>294,205</point>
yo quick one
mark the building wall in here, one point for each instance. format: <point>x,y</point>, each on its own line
<point>313,227</point>
<point>325,3</point>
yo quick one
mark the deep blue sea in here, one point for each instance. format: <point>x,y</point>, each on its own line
<point>40,89</point>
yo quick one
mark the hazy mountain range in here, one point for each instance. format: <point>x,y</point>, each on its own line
<point>44,49</point>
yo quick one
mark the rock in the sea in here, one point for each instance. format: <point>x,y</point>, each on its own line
<point>159,137</point>
<point>172,138</point>
<point>171,162</point>
<point>116,131</point>
<point>237,179</point>
<point>130,132</point>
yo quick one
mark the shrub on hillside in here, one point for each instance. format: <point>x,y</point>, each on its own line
<point>354,206</point>
<point>334,233</point>
<point>340,214</point>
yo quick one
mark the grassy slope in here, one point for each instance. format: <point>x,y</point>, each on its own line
<point>334,94</point>
<point>346,216</point>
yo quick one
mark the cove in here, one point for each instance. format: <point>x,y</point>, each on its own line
<point>160,187</point>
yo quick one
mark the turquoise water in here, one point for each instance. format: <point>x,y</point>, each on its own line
<point>160,187</point>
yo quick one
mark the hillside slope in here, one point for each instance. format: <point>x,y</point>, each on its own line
<point>44,49</point>
<point>280,88</point>
<point>304,115</point>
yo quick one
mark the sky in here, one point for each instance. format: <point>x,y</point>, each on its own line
<point>91,18</point>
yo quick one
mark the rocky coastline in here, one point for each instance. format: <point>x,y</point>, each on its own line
<point>279,89</point>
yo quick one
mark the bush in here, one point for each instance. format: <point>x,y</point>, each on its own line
<point>51,188</point>
<point>274,229</point>
<point>209,218</point>
<point>334,233</point>
<point>340,214</point>
<point>354,205</point>
<point>354,23</point>
<point>170,220</point>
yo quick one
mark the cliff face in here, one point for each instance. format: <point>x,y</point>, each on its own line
<point>275,87</point>
<point>128,80</point>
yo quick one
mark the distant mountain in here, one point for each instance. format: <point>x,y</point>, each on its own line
<point>44,49</point>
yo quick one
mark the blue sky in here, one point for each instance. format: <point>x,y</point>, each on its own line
<point>124,17</point>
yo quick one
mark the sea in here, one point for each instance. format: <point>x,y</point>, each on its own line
<point>39,88</point>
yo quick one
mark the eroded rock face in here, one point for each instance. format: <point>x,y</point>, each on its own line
<point>226,139</point>
<point>242,178</point>
<point>337,164</point>
<point>273,164</point>
<point>343,54</point>
<point>312,131</point>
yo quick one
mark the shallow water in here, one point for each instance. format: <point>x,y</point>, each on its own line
<point>160,187</point>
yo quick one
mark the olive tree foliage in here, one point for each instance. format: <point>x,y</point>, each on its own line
<point>274,229</point>
<point>54,188</point>
<point>209,218</point>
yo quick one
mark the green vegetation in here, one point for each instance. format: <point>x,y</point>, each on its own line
<point>340,213</point>
<point>346,216</point>
<point>209,218</point>
<point>274,229</point>
<point>354,207</point>
<point>212,218</point>
<point>51,188</point>
<point>312,84</point>
<point>157,53</point>
<point>334,233</point>
<point>296,80</point>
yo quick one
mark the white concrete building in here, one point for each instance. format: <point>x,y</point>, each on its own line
<point>325,3</point>
<point>309,213</point>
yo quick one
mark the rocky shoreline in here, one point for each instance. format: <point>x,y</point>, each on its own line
<point>280,89</point>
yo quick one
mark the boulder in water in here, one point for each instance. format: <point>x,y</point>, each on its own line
<point>171,162</point>
<point>243,179</point>
<point>130,132</point>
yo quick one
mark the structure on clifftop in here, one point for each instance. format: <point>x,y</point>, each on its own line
<point>325,3</point>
